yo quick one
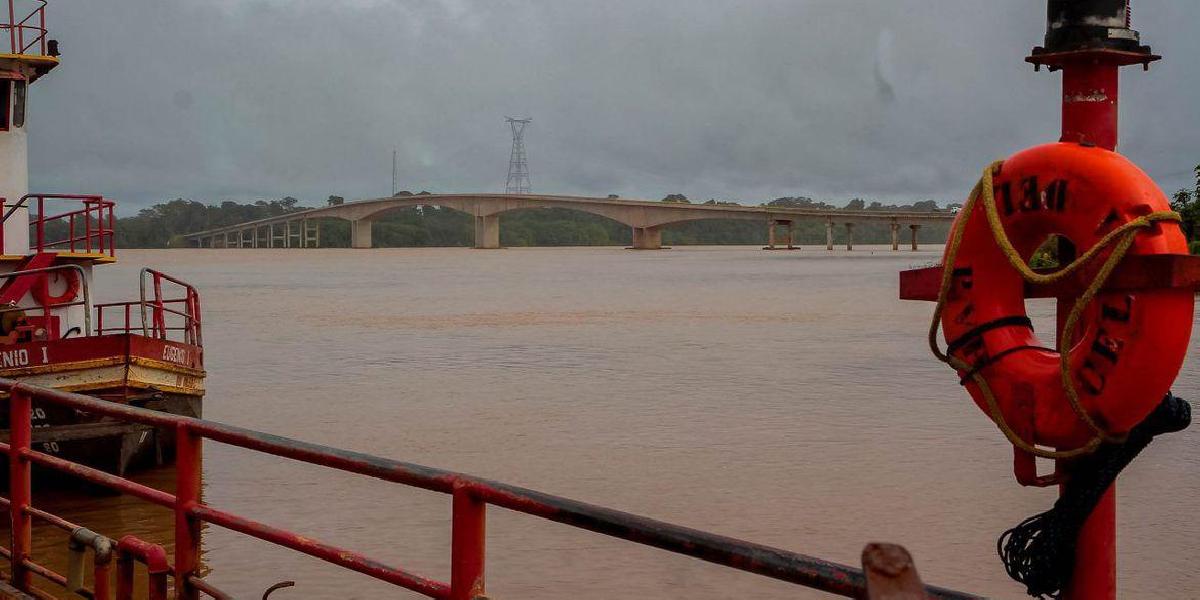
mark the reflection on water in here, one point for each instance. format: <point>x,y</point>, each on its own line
<point>786,398</point>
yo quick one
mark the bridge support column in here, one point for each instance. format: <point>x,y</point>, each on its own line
<point>360,233</point>
<point>789,238</point>
<point>487,232</point>
<point>310,234</point>
<point>254,237</point>
<point>895,237</point>
<point>849,236</point>
<point>829,234</point>
<point>914,229</point>
<point>647,238</point>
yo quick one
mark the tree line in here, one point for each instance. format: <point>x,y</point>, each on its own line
<point>1187,203</point>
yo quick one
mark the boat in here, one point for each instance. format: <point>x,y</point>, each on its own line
<point>145,351</point>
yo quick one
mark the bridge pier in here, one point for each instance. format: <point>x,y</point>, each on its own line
<point>487,232</point>
<point>895,236</point>
<point>772,225</point>
<point>914,229</point>
<point>849,236</point>
<point>829,234</point>
<point>647,238</point>
<point>360,233</point>
<point>310,234</point>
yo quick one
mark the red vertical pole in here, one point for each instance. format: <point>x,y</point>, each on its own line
<point>468,540</point>
<point>87,219</point>
<point>102,580</point>
<point>19,483</point>
<point>1089,116</point>
<point>1089,105</point>
<point>41,224</point>
<point>12,22</point>
<point>160,319</point>
<point>188,464</point>
<point>124,576</point>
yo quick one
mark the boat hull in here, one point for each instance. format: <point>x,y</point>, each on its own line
<point>128,369</point>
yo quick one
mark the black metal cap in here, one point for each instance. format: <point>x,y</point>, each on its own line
<point>1074,25</point>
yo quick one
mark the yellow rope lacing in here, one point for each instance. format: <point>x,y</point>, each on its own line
<point>1123,237</point>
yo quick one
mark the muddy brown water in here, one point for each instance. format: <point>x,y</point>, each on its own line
<point>786,398</point>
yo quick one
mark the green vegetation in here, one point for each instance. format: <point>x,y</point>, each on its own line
<point>1187,203</point>
<point>163,225</point>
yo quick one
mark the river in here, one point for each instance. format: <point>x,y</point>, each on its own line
<point>786,398</point>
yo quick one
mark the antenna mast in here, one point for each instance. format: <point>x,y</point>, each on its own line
<point>518,163</point>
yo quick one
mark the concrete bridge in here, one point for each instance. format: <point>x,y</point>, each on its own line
<point>647,219</point>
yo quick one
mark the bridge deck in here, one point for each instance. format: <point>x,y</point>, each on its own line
<point>645,217</point>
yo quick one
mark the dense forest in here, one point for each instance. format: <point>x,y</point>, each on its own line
<point>163,225</point>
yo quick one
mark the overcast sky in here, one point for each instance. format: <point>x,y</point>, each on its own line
<point>744,100</point>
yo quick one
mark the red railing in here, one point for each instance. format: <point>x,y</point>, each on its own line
<point>157,316</point>
<point>28,33</point>
<point>470,498</point>
<point>90,229</point>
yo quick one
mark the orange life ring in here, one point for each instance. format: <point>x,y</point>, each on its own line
<point>41,289</point>
<point>1131,344</point>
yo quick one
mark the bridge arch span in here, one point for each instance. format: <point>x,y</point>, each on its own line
<point>646,219</point>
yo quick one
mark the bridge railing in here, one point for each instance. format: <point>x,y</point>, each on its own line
<point>470,497</point>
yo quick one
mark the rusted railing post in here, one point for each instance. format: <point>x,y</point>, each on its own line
<point>160,320</point>
<point>130,549</point>
<point>187,496</point>
<point>19,483</point>
<point>467,544</point>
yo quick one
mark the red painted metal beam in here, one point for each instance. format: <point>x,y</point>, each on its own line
<point>1161,271</point>
<point>341,557</point>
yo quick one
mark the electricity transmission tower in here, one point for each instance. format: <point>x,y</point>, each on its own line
<point>518,163</point>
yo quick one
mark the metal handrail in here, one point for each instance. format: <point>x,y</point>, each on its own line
<point>192,323</point>
<point>87,296</point>
<point>92,205</point>
<point>16,29</point>
<point>470,496</point>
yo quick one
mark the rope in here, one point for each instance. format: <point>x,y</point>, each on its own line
<point>1120,238</point>
<point>1040,552</point>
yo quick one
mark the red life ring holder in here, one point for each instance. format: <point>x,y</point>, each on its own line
<point>1131,344</point>
<point>41,289</point>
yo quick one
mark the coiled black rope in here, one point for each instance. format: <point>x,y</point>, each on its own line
<point>1040,552</point>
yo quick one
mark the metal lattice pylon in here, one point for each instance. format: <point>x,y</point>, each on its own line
<point>518,163</point>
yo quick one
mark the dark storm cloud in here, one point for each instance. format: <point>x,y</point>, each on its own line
<point>744,100</point>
